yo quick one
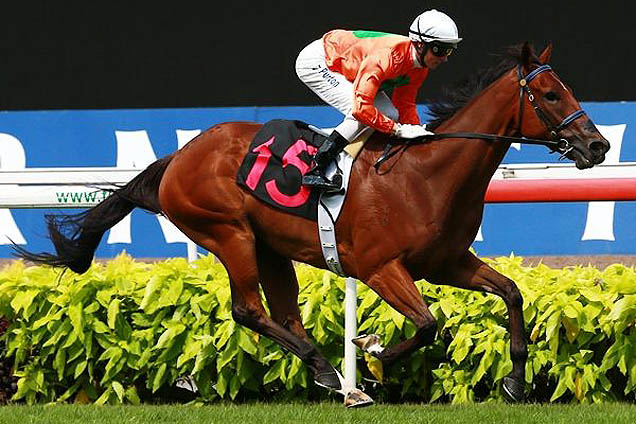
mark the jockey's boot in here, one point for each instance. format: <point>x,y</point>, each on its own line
<point>327,152</point>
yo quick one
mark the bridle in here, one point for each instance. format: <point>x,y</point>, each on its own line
<point>564,146</point>
<point>556,142</point>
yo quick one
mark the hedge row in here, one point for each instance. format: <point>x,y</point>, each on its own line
<point>125,329</point>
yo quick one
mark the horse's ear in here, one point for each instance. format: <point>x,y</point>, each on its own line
<point>527,55</point>
<point>544,57</point>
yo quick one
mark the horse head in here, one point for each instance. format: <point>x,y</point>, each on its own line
<point>559,115</point>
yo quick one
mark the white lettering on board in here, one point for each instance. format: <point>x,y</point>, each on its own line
<point>184,136</point>
<point>599,224</point>
<point>134,150</point>
<point>12,158</point>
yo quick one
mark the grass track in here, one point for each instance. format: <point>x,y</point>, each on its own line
<point>322,413</point>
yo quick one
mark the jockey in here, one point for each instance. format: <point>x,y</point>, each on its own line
<point>373,78</point>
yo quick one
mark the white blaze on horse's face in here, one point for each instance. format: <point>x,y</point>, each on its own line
<point>563,85</point>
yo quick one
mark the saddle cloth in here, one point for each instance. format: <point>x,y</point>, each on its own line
<point>278,156</point>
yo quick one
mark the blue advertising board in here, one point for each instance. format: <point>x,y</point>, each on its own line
<point>134,138</point>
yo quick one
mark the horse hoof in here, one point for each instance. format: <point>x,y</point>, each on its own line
<point>328,380</point>
<point>514,390</point>
<point>357,399</point>
<point>369,343</point>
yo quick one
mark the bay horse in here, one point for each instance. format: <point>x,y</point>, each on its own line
<point>416,221</point>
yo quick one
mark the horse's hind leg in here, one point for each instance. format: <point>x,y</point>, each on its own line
<point>394,284</point>
<point>473,274</point>
<point>279,282</point>
<point>235,247</point>
<point>280,285</point>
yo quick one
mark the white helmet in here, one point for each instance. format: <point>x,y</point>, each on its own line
<point>434,25</point>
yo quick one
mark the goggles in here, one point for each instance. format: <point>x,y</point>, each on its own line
<point>441,49</point>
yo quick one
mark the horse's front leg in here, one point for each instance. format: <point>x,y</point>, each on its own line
<point>394,284</point>
<point>473,274</point>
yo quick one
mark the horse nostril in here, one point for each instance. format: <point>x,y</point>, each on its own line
<point>599,147</point>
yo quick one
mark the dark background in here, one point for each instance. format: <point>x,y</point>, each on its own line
<point>148,55</point>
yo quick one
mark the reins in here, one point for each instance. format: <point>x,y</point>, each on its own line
<point>556,144</point>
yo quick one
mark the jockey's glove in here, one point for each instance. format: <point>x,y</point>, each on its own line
<point>409,130</point>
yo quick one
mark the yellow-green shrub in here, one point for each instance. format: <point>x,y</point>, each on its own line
<point>126,325</point>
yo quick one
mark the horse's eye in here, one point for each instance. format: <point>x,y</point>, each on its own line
<point>551,96</point>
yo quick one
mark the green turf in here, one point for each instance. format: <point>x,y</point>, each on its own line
<point>321,413</point>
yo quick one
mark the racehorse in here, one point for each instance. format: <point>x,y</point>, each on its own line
<point>414,221</point>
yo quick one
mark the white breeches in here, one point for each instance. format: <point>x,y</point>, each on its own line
<point>334,89</point>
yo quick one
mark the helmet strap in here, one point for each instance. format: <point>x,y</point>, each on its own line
<point>421,48</point>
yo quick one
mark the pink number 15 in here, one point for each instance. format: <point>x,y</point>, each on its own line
<point>291,157</point>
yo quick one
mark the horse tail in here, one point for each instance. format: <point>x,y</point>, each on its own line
<point>76,236</point>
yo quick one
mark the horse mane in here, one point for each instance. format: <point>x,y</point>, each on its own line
<point>455,97</point>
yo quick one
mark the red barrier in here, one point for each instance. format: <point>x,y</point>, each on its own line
<point>552,190</point>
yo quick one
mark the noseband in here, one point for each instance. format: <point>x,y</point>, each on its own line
<point>563,145</point>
